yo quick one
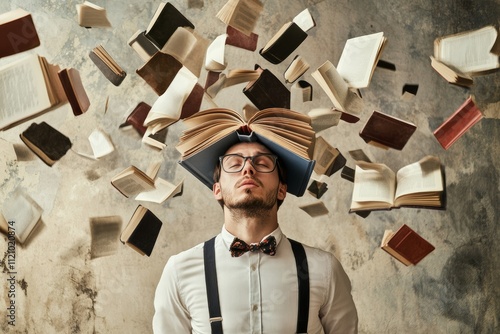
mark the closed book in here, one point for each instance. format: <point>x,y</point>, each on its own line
<point>387,130</point>
<point>160,71</point>
<point>240,40</point>
<point>142,231</point>
<point>17,32</point>
<point>74,90</point>
<point>267,91</point>
<point>286,40</point>
<point>107,65</point>
<point>165,21</point>
<point>137,117</point>
<point>406,245</point>
<point>458,123</point>
<point>142,45</point>
<point>46,142</point>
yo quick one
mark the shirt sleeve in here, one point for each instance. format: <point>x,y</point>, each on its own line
<point>170,315</point>
<point>338,314</point>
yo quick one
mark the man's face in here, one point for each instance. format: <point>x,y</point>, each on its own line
<point>248,189</point>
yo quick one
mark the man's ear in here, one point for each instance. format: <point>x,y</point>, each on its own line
<point>217,191</point>
<point>282,191</point>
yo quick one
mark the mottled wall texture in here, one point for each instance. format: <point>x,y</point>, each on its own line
<point>61,289</point>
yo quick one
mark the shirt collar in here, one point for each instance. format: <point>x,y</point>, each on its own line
<point>228,237</point>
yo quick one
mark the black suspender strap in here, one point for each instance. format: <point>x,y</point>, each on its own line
<point>212,288</point>
<point>303,278</point>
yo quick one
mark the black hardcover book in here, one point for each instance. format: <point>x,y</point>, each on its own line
<point>165,21</point>
<point>267,91</point>
<point>286,40</point>
<point>46,142</point>
<point>142,231</point>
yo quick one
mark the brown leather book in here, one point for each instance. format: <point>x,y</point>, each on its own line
<point>406,245</point>
<point>17,32</point>
<point>107,65</point>
<point>160,71</point>
<point>193,102</point>
<point>137,117</point>
<point>240,40</point>
<point>74,90</point>
<point>387,130</point>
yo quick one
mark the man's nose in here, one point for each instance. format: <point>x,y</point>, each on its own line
<point>248,167</point>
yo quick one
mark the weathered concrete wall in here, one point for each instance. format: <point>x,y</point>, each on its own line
<point>60,289</point>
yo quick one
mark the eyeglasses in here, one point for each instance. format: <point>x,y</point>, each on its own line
<point>234,163</point>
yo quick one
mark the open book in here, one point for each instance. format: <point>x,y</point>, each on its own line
<point>241,14</point>
<point>287,133</point>
<point>469,51</point>
<point>91,15</point>
<point>20,215</point>
<point>337,89</point>
<point>377,187</point>
<point>359,59</point>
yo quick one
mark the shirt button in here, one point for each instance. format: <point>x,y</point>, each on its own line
<point>255,308</point>
<point>253,267</point>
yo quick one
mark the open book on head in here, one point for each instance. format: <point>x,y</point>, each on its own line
<point>287,133</point>
<point>420,184</point>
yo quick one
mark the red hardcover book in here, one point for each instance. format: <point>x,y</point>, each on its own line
<point>17,32</point>
<point>458,123</point>
<point>406,245</point>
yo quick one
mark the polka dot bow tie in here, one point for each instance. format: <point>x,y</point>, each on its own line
<point>267,246</point>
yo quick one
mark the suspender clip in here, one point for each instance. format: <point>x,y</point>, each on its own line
<point>216,319</point>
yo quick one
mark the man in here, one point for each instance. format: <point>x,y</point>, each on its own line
<point>258,289</point>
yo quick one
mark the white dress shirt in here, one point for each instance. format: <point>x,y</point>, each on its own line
<point>258,293</point>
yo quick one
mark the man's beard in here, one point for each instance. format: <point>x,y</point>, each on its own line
<point>250,206</point>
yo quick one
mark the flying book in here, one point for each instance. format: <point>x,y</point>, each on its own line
<point>240,40</point>
<point>17,32</point>
<point>215,57</point>
<point>315,209</point>
<point>142,45</point>
<point>242,15</point>
<point>137,117</point>
<point>107,65</point>
<point>74,90</point>
<point>159,71</point>
<point>90,15</point>
<point>387,131</point>
<point>420,185</point>
<point>28,101</point>
<point>287,133</point>
<point>288,38</point>
<point>337,89</point>
<point>104,235</point>
<point>131,181</point>
<point>359,59</point>
<point>328,159</point>
<point>164,22</point>
<point>324,118</point>
<point>470,51</point>
<point>46,142</point>
<point>317,188</point>
<point>267,91</point>
<point>20,215</point>
<point>406,245</point>
<point>451,74</point>
<point>458,123</point>
<point>297,68</point>
<point>142,231</point>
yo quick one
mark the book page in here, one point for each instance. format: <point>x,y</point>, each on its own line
<point>304,20</point>
<point>469,51</point>
<point>373,182</point>
<point>23,91</point>
<point>422,176</point>
<point>163,191</point>
<point>358,59</point>
<point>333,84</point>
<point>23,211</point>
<point>241,14</point>
<point>214,60</point>
<point>167,108</point>
<point>180,44</point>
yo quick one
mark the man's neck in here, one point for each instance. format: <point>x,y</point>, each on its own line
<point>250,229</point>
